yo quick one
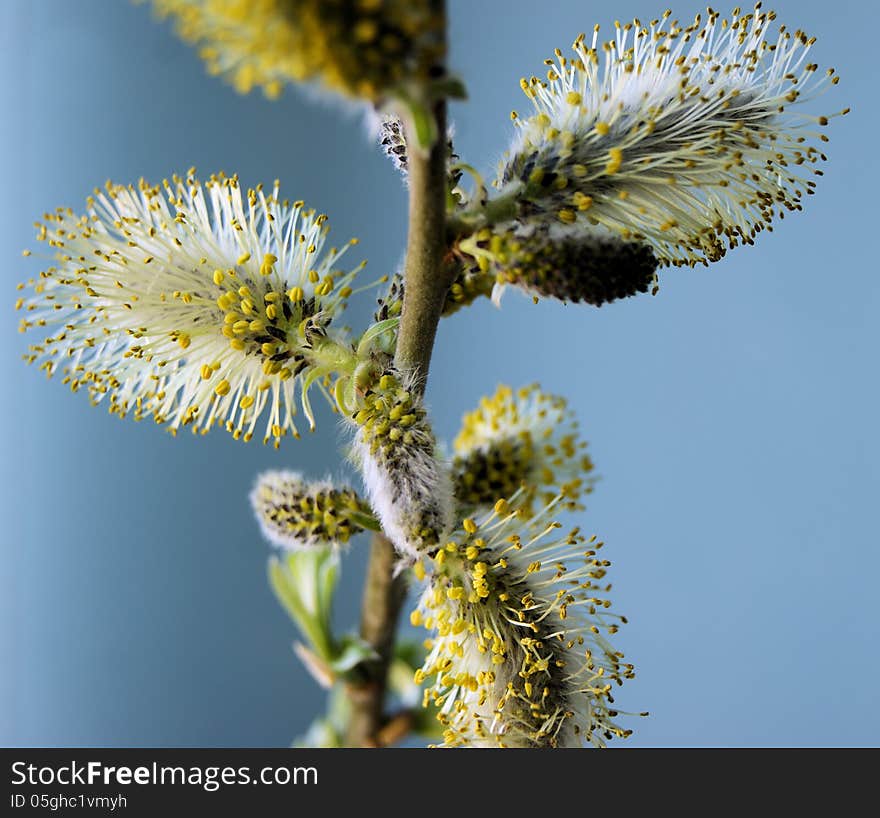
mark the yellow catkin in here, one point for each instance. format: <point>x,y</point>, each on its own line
<point>358,48</point>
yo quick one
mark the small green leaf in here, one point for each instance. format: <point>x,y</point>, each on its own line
<point>389,325</point>
<point>286,593</point>
<point>327,577</point>
<point>305,584</point>
<point>352,652</point>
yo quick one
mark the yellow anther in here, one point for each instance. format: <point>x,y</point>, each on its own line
<point>615,158</point>
<point>502,507</point>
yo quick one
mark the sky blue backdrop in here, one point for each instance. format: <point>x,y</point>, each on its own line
<point>733,417</point>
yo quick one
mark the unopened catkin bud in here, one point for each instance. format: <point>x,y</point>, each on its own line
<point>294,513</point>
<point>469,284</point>
<point>577,266</point>
<point>409,488</point>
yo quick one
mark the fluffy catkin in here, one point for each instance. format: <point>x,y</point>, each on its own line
<point>519,620</point>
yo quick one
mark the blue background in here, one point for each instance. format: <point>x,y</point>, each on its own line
<point>733,417</point>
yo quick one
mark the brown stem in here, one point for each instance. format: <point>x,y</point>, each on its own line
<point>426,278</point>
<point>383,598</point>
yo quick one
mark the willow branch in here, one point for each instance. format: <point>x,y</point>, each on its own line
<point>384,595</point>
<point>426,283</point>
<point>426,280</point>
